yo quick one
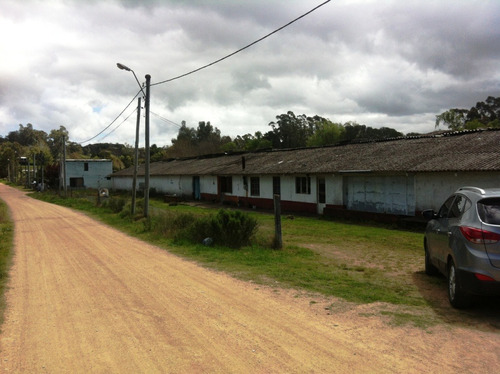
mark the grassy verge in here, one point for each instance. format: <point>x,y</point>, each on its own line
<point>358,263</point>
<point>6,252</point>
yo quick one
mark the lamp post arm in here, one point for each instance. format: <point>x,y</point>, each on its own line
<point>137,80</point>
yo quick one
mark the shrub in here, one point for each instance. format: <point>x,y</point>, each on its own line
<point>115,204</point>
<point>233,229</point>
<point>126,212</point>
<point>173,225</point>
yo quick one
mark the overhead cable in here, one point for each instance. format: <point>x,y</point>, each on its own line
<point>118,116</point>
<point>121,123</point>
<point>241,49</point>
<point>165,119</point>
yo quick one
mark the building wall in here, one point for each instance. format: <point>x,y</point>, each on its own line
<point>335,189</point>
<point>208,184</point>
<point>94,177</point>
<point>180,185</point>
<point>123,183</point>
<point>432,189</point>
<point>398,194</point>
<point>390,194</point>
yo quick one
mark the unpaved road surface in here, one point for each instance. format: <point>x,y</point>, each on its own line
<point>85,298</point>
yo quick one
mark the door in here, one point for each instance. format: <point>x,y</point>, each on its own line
<point>321,195</point>
<point>276,186</point>
<point>441,229</point>
<point>381,194</point>
<point>196,188</point>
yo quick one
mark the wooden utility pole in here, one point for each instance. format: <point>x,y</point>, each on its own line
<point>65,186</point>
<point>278,240</point>
<point>136,157</point>
<point>146,171</point>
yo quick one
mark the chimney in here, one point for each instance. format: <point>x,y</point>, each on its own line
<point>242,162</point>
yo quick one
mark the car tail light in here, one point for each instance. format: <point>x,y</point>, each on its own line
<point>483,277</point>
<point>479,236</point>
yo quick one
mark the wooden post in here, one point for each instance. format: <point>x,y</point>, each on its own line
<point>136,156</point>
<point>278,240</point>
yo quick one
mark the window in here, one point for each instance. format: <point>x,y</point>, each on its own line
<point>226,184</point>
<point>454,207</point>
<point>76,182</point>
<point>303,185</point>
<point>255,186</point>
<point>489,210</point>
<point>443,211</point>
<point>86,166</point>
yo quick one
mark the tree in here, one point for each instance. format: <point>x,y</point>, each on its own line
<point>27,136</point>
<point>55,141</point>
<point>453,118</point>
<point>485,114</point>
<point>205,139</point>
<point>290,131</point>
<point>326,133</point>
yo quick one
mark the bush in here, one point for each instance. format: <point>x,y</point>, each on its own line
<point>173,225</point>
<point>233,229</point>
<point>126,212</point>
<point>115,204</point>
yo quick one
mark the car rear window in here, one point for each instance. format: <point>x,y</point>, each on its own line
<point>489,210</point>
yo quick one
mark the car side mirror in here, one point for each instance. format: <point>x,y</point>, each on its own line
<point>429,214</point>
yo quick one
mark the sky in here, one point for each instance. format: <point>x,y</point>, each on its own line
<point>379,63</point>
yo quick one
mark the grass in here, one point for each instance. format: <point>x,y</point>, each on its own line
<point>6,253</point>
<point>358,263</point>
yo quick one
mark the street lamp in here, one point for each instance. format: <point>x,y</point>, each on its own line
<point>146,169</point>
<point>126,68</point>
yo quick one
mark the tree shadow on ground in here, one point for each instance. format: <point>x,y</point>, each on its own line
<point>483,314</point>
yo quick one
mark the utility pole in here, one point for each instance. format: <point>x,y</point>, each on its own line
<point>65,186</point>
<point>146,97</point>
<point>146,172</point>
<point>136,159</point>
<point>278,239</point>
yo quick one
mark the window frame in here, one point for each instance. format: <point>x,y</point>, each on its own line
<point>226,184</point>
<point>254,186</point>
<point>303,185</point>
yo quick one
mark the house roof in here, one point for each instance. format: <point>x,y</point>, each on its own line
<point>477,150</point>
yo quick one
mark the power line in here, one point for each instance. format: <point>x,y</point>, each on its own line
<point>118,116</point>
<point>201,68</point>
<point>242,49</point>
<point>121,123</point>
<point>165,119</point>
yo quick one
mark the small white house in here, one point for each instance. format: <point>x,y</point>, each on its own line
<point>88,173</point>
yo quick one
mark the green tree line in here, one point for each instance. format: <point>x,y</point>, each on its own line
<point>288,130</point>
<point>485,114</point>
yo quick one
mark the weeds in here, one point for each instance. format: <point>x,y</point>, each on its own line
<point>6,238</point>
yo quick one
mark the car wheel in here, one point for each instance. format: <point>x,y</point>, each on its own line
<point>429,268</point>
<point>458,297</point>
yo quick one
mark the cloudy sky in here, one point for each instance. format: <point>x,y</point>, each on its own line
<point>380,63</point>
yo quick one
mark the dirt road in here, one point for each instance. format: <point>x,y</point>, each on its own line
<point>85,298</point>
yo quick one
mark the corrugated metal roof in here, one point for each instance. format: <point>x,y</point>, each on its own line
<point>459,151</point>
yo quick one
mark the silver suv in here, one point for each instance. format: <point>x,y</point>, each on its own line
<point>462,242</point>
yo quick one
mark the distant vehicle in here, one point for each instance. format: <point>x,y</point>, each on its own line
<point>462,242</point>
